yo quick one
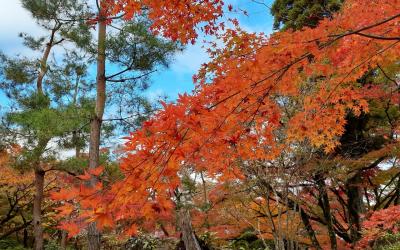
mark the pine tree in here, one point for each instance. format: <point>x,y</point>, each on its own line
<point>53,103</point>
<point>295,14</point>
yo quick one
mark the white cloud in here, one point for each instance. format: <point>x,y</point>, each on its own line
<point>14,19</point>
<point>190,59</point>
<point>155,94</point>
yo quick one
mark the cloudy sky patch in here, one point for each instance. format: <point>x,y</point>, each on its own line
<point>175,79</point>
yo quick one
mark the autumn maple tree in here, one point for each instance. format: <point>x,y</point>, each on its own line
<point>51,97</point>
<point>260,99</point>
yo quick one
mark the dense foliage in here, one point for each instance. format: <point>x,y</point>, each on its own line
<point>289,140</point>
<point>295,14</point>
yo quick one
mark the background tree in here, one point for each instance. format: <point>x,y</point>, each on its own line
<point>134,49</point>
<point>36,120</point>
<point>237,116</point>
<point>296,14</point>
<point>53,105</point>
<point>303,123</point>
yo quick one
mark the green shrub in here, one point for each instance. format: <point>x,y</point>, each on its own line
<point>9,244</point>
<point>388,242</point>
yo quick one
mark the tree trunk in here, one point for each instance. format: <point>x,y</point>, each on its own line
<point>75,140</point>
<point>396,201</point>
<point>305,218</point>
<point>310,231</point>
<point>37,209</point>
<point>39,173</point>
<point>355,206</point>
<point>324,204</point>
<point>39,194</point>
<point>188,236</point>
<point>25,239</point>
<point>63,244</point>
<point>95,124</point>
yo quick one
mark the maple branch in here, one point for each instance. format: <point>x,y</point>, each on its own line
<point>381,51</point>
<point>170,155</point>
<point>131,172</point>
<point>221,123</point>
<point>377,37</point>
<point>223,100</point>
<point>16,229</point>
<point>342,202</point>
<point>387,185</point>
<point>358,31</point>
<point>13,207</point>
<point>303,214</point>
<point>283,69</point>
<point>382,201</point>
<point>372,165</point>
<point>387,76</point>
<point>262,3</point>
<point>306,55</point>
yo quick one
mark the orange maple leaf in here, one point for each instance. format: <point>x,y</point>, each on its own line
<point>96,171</point>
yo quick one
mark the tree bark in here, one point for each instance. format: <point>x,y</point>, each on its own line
<point>396,201</point>
<point>39,194</point>
<point>188,236</point>
<point>95,124</point>
<point>64,236</point>
<point>43,61</point>
<point>310,231</point>
<point>37,209</point>
<point>324,204</point>
<point>15,229</point>
<point>39,173</point>
<point>305,218</point>
<point>25,239</point>
<point>355,206</point>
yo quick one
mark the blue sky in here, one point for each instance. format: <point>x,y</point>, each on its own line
<point>171,81</point>
<point>166,82</point>
<point>178,78</point>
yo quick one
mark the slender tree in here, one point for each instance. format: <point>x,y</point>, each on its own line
<point>19,77</point>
